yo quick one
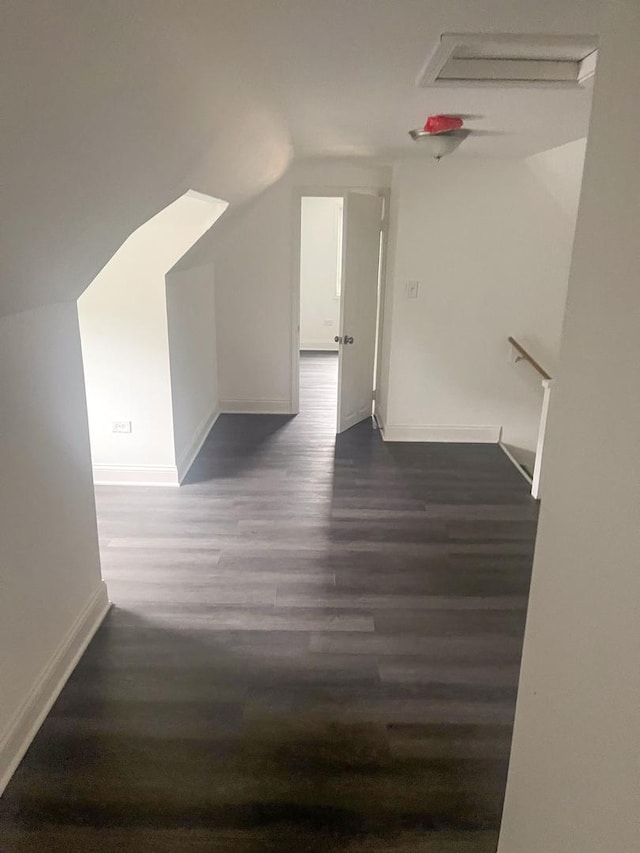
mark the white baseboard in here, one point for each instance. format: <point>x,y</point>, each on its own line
<point>156,475</point>
<point>462,434</point>
<point>189,454</point>
<point>256,407</point>
<point>23,727</point>
<point>319,347</point>
<point>513,459</point>
<point>135,475</point>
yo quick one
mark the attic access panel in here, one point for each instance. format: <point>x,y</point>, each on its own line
<point>467,59</point>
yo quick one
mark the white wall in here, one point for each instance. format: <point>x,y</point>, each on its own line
<point>253,254</point>
<point>560,170</point>
<point>193,361</point>
<point>574,778</point>
<point>125,345</point>
<point>491,250</point>
<point>253,305</point>
<point>320,265</point>
<point>49,563</point>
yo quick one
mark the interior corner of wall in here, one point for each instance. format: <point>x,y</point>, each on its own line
<point>186,457</point>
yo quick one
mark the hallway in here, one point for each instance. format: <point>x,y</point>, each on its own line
<point>314,646</point>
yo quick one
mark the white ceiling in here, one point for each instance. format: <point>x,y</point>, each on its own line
<point>347,81</point>
<point>110,110</point>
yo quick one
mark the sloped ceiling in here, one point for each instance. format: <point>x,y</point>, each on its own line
<point>111,109</point>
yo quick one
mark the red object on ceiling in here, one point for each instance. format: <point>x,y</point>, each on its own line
<point>442,124</point>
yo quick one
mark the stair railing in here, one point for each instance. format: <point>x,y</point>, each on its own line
<point>521,354</point>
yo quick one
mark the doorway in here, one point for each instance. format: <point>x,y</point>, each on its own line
<point>321,219</point>
<point>340,242</point>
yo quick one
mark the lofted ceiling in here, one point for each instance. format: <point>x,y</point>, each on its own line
<point>111,110</point>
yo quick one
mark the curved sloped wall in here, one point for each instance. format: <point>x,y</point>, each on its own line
<point>116,110</point>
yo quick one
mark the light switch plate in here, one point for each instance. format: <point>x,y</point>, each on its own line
<point>413,288</point>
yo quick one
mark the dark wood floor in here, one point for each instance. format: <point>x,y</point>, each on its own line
<point>314,647</point>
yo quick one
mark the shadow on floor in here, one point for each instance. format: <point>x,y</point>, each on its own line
<point>316,648</point>
<point>237,444</point>
<point>165,739</point>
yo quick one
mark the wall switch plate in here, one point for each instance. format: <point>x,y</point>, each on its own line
<point>412,289</point>
<point>328,322</point>
<point>120,426</point>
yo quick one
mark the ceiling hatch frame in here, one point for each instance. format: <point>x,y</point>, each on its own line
<point>516,60</point>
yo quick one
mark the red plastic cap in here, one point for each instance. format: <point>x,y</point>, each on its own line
<point>442,124</point>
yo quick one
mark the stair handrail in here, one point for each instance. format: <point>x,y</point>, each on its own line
<point>525,356</point>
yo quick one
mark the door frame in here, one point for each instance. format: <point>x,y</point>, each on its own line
<point>331,192</point>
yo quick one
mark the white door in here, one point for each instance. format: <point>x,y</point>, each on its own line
<point>360,259</point>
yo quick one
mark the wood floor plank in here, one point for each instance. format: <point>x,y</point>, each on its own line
<point>315,646</point>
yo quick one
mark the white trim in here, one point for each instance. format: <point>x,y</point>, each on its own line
<point>461,434</point>
<point>199,437</point>
<point>310,346</point>
<point>296,260</point>
<point>157,475</point>
<point>135,475</point>
<point>378,420</point>
<point>588,68</point>
<point>515,462</point>
<point>547,385</point>
<point>436,61</point>
<point>256,407</point>
<point>24,725</point>
<point>339,211</point>
<point>443,69</point>
<point>328,191</point>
